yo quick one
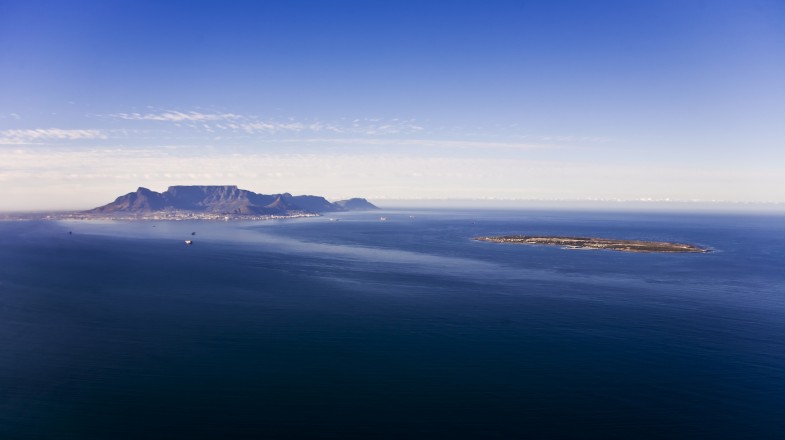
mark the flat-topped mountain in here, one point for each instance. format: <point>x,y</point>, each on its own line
<point>224,200</point>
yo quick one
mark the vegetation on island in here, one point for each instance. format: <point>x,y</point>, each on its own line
<point>597,243</point>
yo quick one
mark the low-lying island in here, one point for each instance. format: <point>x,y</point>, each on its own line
<point>597,243</point>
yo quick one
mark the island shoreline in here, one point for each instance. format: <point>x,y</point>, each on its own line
<point>591,243</point>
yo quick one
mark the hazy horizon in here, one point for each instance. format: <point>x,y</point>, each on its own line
<point>562,100</point>
<point>488,203</point>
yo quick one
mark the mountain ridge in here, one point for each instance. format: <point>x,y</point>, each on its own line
<point>224,199</point>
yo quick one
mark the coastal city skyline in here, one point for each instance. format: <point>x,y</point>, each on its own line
<point>669,101</point>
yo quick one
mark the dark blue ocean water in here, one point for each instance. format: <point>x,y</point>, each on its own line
<point>398,329</point>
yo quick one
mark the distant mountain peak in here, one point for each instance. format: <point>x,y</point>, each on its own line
<point>356,204</point>
<point>228,199</point>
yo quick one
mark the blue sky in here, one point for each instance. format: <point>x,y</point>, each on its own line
<point>610,100</point>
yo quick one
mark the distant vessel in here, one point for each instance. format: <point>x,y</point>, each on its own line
<point>189,242</point>
<point>193,233</point>
<point>382,219</point>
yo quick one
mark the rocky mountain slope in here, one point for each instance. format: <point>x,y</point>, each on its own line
<point>224,199</point>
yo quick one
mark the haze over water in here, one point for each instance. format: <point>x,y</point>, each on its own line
<point>574,100</point>
<point>404,328</point>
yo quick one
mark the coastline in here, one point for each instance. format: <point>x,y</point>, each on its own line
<point>154,216</point>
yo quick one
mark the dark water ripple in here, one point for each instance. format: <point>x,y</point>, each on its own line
<point>397,329</point>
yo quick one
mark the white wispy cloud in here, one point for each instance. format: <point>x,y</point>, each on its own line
<point>434,143</point>
<point>367,127</point>
<point>177,116</point>
<point>245,125</point>
<point>272,127</point>
<point>574,139</point>
<point>25,136</point>
<point>250,124</point>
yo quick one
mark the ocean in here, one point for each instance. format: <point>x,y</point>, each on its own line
<point>405,328</point>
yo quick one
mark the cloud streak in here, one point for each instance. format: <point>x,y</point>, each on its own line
<point>380,129</point>
<point>249,124</point>
<point>433,143</point>
<point>26,136</point>
<point>271,127</point>
<point>176,116</point>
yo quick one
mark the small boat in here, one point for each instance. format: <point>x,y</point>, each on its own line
<point>189,242</point>
<point>193,233</point>
<point>382,219</point>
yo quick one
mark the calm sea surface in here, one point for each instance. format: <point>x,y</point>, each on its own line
<point>406,328</point>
